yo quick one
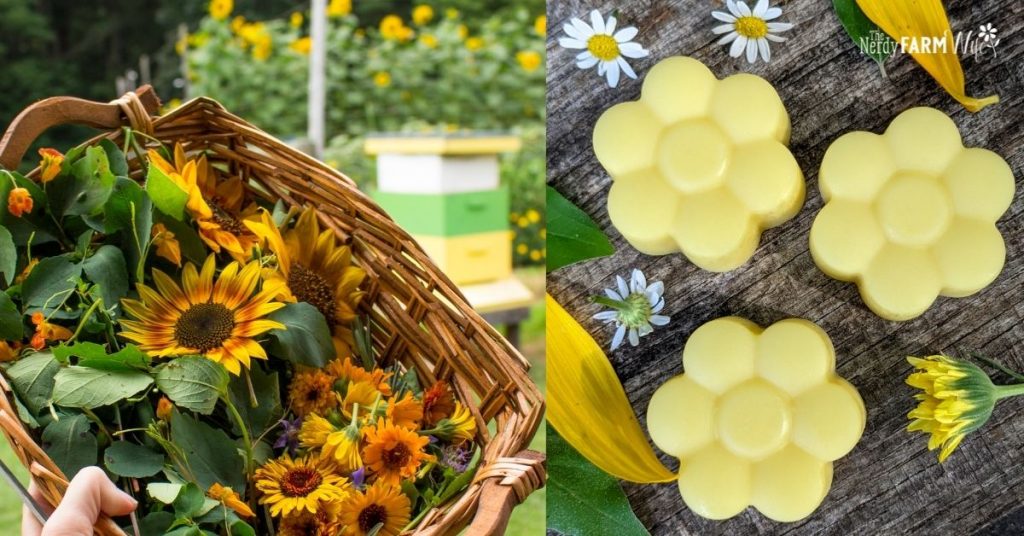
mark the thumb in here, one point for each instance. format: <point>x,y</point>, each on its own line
<point>89,493</point>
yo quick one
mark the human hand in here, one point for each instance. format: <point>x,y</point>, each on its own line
<point>89,494</point>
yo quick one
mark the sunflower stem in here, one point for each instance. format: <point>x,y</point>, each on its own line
<point>85,318</point>
<point>253,401</point>
<point>237,417</point>
<point>1007,391</point>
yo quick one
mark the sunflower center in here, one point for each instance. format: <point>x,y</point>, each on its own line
<point>204,326</point>
<point>226,221</point>
<point>397,457</point>
<point>371,516</point>
<point>603,47</point>
<point>751,27</point>
<point>312,288</point>
<point>300,482</point>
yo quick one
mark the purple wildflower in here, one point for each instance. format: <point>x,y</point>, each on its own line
<point>289,438</point>
<point>456,457</point>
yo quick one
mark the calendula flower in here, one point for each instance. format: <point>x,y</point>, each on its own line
<point>166,245</point>
<point>915,24</point>
<point>349,372</point>
<point>603,46</point>
<point>299,485</point>
<point>464,423</point>
<point>540,25</point>
<point>45,331</point>
<point>296,19</point>
<point>221,9</point>
<point>312,391</point>
<point>314,431</point>
<point>364,394</point>
<point>49,166</point>
<point>635,308</point>
<point>339,8</point>
<point>19,202</point>
<point>381,79</point>
<point>325,522</point>
<point>344,444</point>
<point>302,45</point>
<point>528,60</point>
<point>229,498</point>
<point>749,29</point>
<point>422,14</point>
<point>313,267</point>
<point>394,453</point>
<point>956,398</point>
<point>438,403</point>
<point>406,412</point>
<point>164,409</point>
<point>9,351</point>
<point>382,504</point>
<point>218,319</point>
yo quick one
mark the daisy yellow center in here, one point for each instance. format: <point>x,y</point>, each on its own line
<point>397,457</point>
<point>204,326</point>
<point>751,27</point>
<point>603,47</point>
<point>300,482</point>
<point>312,288</point>
<point>371,516</point>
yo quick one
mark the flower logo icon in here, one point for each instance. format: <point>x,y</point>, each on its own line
<point>987,32</point>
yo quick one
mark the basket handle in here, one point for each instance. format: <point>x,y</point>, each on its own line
<point>133,108</point>
<point>506,483</point>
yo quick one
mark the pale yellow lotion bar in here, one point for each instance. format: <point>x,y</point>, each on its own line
<point>910,214</point>
<point>699,165</point>
<point>756,419</point>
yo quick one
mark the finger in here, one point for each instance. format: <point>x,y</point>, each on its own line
<point>30,526</point>
<point>89,493</point>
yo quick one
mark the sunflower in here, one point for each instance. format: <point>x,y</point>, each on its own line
<point>406,412</point>
<point>312,391</point>
<point>299,485</point>
<point>312,267</point>
<point>438,403</point>
<point>345,369</point>
<point>216,319</point>
<point>216,205</point>
<point>382,504</point>
<point>394,453</point>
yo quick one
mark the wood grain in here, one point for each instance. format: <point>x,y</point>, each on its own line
<point>890,483</point>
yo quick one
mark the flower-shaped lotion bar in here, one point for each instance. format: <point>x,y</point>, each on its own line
<point>910,214</point>
<point>699,165</point>
<point>756,419</point>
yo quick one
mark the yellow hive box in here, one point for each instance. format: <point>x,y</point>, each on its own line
<point>470,258</point>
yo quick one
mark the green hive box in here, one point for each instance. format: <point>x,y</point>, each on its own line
<point>448,214</point>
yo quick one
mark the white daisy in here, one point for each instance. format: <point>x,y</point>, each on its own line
<point>749,29</point>
<point>603,46</point>
<point>635,308</point>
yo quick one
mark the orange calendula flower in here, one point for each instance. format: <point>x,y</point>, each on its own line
<point>312,391</point>
<point>325,522</point>
<point>49,166</point>
<point>9,351</point>
<point>164,408</point>
<point>229,498</point>
<point>382,504</point>
<point>19,202</point>
<point>438,403</point>
<point>345,369</point>
<point>407,412</point>
<point>362,393</point>
<point>166,245</point>
<point>394,453</point>
<point>46,331</point>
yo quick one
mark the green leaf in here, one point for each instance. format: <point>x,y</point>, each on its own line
<point>35,224</point>
<point>130,211</point>
<point>871,40</point>
<point>306,339</point>
<point>107,269</point>
<point>189,501</point>
<point>166,195</point>
<point>209,454</point>
<point>193,383</point>
<point>241,528</point>
<point>86,189</point>
<point>85,387</point>
<point>572,235</point>
<point>49,284</point>
<point>93,355</point>
<point>268,397</point>
<point>582,499</point>
<point>134,461</point>
<point>11,326</point>
<point>156,523</point>
<point>70,443</point>
<point>118,163</point>
<point>164,492</point>
<point>8,256</point>
<point>32,379</point>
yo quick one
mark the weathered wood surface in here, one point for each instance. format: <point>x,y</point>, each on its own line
<point>889,484</point>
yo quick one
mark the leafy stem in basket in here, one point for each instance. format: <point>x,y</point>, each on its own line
<point>246,439</point>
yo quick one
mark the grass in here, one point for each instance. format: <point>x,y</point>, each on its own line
<point>527,520</point>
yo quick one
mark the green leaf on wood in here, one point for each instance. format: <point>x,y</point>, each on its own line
<point>134,461</point>
<point>166,195</point>
<point>306,339</point>
<point>85,387</point>
<point>582,499</point>
<point>193,383</point>
<point>70,443</point>
<point>50,283</point>
<point>32,379</point>
<point>107,269</point>
<point>209,454</point>
<point>871,40</point>
<point>11,326</point>
<point>8,257</point>
<point>572,235</point>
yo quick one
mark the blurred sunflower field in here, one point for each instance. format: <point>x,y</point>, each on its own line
<point>428,67</point>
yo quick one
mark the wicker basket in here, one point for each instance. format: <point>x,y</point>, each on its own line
<point>419,317</point>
